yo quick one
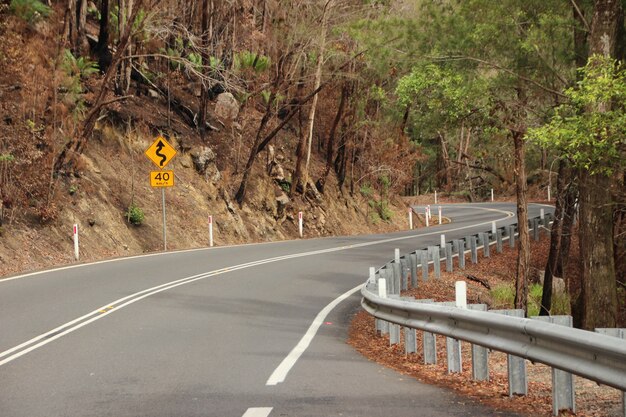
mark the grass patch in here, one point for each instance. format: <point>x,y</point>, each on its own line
<point>503,297</point>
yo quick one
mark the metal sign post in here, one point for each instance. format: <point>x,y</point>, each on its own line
<point>164,223</point>
<point>161,153</point>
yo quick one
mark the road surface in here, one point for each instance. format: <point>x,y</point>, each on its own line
<point>254,330</point>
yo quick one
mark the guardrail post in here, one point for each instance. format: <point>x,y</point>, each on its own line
<point>563,393</point>
<point>518,383</point>
<point>395,287</point>
<point>413,266</point>
<point>423,257</point>
<point>403,274</point>
<point>480,354</point>
<point>499,233</point>
<point>410,337</point>
<point>448,257</point>
<point>429,342</point>
<point>461,253</point>
<point>453,348</point>
<point>473,248</point>
<point>410,340</point>
<point>621,333</point>
<point>394,334</point>
<point>535,229</point>
<point>511,230</point>
<point>434,252</point>
<point>486,245</point>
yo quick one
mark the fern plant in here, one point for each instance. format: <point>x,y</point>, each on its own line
<point>29,10</point>
<point>247,59</point>
<point>74,71</point>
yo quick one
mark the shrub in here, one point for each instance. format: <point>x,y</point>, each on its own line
<point>366,190</point>
<point>29,10</point>
<point>135,215</point>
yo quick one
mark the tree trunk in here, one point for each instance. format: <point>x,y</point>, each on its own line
<point>599,289</point>
<point>243,185</point>
<point>330,144</point>
<point>555,242</point>
<point>125,22</point>
<point>446,162</point>
<point>207,10</point>
<point>569,215</point>
<point>318,80</point>
<point>102,47</point>
<point>523,256</point>
<point>82,45</point>
<point>296,179</point>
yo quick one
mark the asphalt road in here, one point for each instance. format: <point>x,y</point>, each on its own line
<point>204,332</point>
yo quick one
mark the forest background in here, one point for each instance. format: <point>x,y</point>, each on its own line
<point>334,108</point>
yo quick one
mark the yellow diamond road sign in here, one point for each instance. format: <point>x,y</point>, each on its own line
<point>160,152</point>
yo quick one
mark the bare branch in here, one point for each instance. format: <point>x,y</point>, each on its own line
<point>581,15</point>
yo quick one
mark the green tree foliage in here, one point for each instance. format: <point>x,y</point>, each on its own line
<point>594,141</point>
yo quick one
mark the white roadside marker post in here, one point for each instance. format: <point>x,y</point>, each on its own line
<point>410,218</point>
<point>492,194</point>
<point>76,254</point>
<point>461,294</point>
<point>210,231</point>
<point>426,216</point>
<point>439,214</point>
<point>300,223</point>
<point>443,241</point>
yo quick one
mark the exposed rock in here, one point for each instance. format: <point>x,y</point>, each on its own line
<point>153,93</point>
<point>311,191</point>
<point>204,162</point>
<point>282,199</point>
<point>185,163</point>
<point>227,107</point>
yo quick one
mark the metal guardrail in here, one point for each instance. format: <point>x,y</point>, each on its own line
<point>591,355</point>
<point>598,357</point>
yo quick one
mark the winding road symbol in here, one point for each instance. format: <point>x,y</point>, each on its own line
<point>160,152</point>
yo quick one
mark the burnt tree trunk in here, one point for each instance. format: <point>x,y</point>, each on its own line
<point>102,47</point>
<point>330,144</point>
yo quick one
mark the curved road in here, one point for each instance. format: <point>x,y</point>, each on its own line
<point>253,330</point>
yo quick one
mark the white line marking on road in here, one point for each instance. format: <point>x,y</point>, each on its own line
<point>280,373</point>
<point>258,412</point>
<point>112,307</point>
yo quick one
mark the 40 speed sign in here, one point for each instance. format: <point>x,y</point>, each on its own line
<point>162,178</point>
